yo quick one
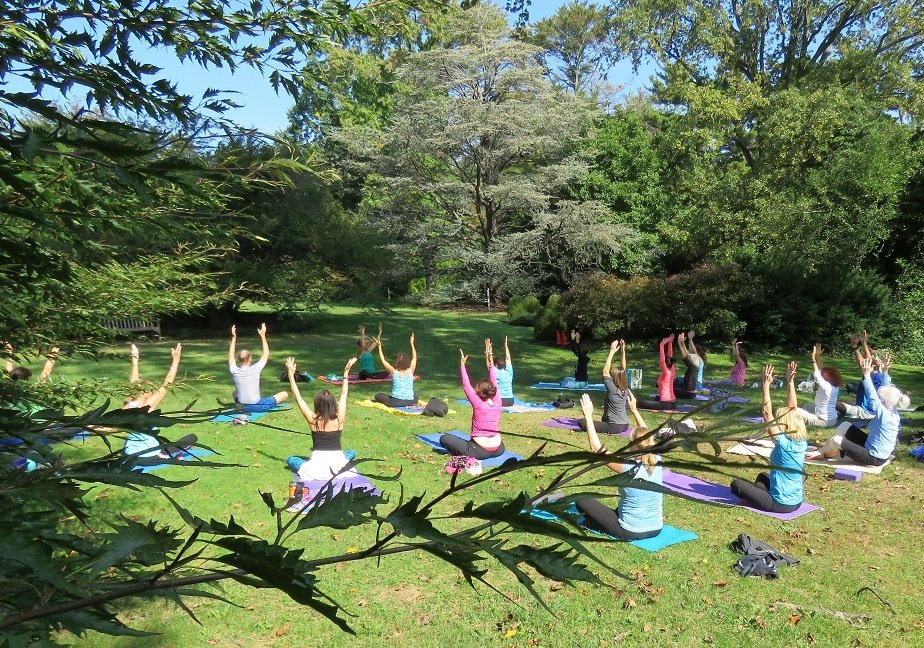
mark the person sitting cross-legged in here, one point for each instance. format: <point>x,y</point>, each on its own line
<point>615,420</point>
<point>827,385</point>
<point>402,376</point>
<point>779,491</point>
<point>246,375</point>
<point>639,514</point>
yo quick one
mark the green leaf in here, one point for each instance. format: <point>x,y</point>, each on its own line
<point>345,509</point>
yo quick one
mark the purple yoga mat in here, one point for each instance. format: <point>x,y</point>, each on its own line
<point>564,422</point>
<point>719,494</point>
<point>344,484</point>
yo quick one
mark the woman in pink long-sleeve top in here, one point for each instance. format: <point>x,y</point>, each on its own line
<point>485,441</point>
<point>666,399</point>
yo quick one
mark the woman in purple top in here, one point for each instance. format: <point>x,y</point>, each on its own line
<point>485,441</point>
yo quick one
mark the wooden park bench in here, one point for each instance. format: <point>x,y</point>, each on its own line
<point>133,325</point>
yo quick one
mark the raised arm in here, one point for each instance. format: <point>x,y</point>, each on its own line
<point>488,353</point>
<point>864,339</point>
<point>661,358</point>
<point>49,364</point>
<point>633,407</point>
<point>470,393</point>
<point>587,407</point>
<point>736,354</point>
<point>766,408</point>
<point>681,343</point>
<point>135,374</point>
<point>792,399</point>
<point>264,355</point>
<point>9,356</point>
<point>154,399</point>
<point>817,366</point>
<point>344,391</point>
<point>867,369</point>
<point>690,336</point>
<point>302,405</point>
<point>232,348</point>
<point>622,359</point>
<point>614,347</point>
<point>413,366</point>
<point>507,353</point>
<point>374,343</point>
<point>885,366</point>
<point>388,367</point>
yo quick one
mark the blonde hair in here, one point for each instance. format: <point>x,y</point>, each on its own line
<point>791,423</point>
<point>642,438</point>
<point>243,355</point>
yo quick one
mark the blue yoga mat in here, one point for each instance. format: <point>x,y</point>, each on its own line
<point>518,407</point>
<point>550,386</point>
<point>231,416</point>
<point>433,440</point>
<point>190,454</point>
<point>669,535</point>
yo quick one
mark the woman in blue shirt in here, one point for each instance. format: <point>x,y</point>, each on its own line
<point>504,370</point>
<point>402,377</point>
<point>639,514</point>
<point>780,491</point>
<point>876,447</point>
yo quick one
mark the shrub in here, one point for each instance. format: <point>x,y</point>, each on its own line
<point>522,311</point>
<point>550,319</point>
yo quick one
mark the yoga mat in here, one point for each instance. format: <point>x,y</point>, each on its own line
<point>189,455</point>
<point>433,440</point>
<point>719,494</point>
<point>669,535</point>
<point>680,408</point>
<point>563,422</point>
<point>753,419</point>
<point>354,380</point>
<point>518,407</point>
<point>557,387</point>
<point>699,397</point>
<point>760,447</point>
<point>340,484</point>
<point>231,416</point>
<point>411,410</point>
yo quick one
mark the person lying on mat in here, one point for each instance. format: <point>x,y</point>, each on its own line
<point>739,369</point>
<point>863,409</point>
<point>146,446</point>
<point>615,420</point>
<point>402,376</point>
<point>485,441</point>
<point>581,351</point>
<point>326,422</point>
<point>876,447</point>
<point>827,385</point>
<point>246,376</point>
<point>694,353</point>
<point>780,491</point>
<point>24,373</point>
<point>686,387</point>
<point>367,369</point>
<point>639,514</point>
<point>504,372</point>
<point>666,399</point>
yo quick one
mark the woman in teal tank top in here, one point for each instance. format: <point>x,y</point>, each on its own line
<point>402,376</point>
<point>364,358</point>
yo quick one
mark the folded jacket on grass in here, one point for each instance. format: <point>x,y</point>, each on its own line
<point>549,386</point>
<point>763,448</point>
<point>433,440</point>
<point>188,456</point>
<point>518,407</point>
<point>339,484</point>
<point>719,494</point>
<point>668,536</point>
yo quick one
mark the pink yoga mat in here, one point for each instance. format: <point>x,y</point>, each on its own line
<point>719,494</point>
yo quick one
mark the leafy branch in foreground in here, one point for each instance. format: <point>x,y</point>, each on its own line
<point>66,569</point>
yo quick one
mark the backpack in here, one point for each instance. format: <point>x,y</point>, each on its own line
<point>720,400</point>
<point>563,402</point>
<point>435,407</point>
<point>300,376</point>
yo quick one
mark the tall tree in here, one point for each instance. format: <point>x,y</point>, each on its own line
<point>577,45</point>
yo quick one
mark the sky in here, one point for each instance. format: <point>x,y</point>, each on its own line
<point>263,109</point>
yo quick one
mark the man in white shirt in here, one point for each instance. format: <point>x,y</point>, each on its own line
<point>246,376</point>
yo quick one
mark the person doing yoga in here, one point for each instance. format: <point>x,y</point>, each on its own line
<point>876,447</point>
<point>615,420</point>
<point>485,441</point>
<point>863,409</point>
<point>666,399</point>
<point>581,351</point>
<point>402,376</point>
<point>694,353</point>
<point>246,376</point>
<point>780,491</point>
<point>24,373</point>
<point>145,447</point>
<point>827,385</point>
<point>739,368</point>
<point>686,387</point>
<point>326,422</point>
<point>366,345</point>
<point>639,514</point>
<point>504,371</point>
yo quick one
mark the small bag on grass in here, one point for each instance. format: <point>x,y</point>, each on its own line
<point>436,407</point>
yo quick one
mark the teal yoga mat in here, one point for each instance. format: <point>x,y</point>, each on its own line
<point>669,535</point>
<point>190,455</point>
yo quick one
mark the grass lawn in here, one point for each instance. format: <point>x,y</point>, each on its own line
<point>686,595</point>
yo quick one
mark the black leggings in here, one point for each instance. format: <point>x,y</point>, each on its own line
<point>854,447</point>
<point>468,448</point>
<point>175,449</point>
<point>386,399</point>
<point>605,427</point>
<point>656,404</point>
<point>372,375</point>
<point>758,495</point>
<point>601,517</point>
<point>507,402</point>
<point>683,392</point>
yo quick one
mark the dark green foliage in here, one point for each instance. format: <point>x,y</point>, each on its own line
<point>550,319</point>
<point>522,311</point>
